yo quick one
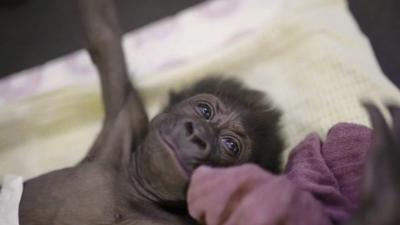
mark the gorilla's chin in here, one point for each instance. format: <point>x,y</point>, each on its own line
<point>160,170</point>
<point>169,147</point>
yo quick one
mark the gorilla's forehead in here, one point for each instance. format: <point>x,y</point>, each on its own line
<point>225,114</point>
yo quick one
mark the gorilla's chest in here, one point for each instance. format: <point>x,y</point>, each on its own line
<point>88,195</point>
<point>71,196</point>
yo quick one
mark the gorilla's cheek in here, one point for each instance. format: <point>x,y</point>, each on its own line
<point>161,169</point>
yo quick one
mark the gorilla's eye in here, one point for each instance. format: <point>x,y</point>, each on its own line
<point>204,110</point>
<point>231,145</point>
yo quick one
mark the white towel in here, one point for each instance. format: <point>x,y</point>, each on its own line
<point>10,196</point>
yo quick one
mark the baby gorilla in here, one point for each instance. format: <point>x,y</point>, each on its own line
<point>136,172</point>
<point>216,122</point>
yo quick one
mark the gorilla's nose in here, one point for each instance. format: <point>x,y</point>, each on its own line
<point>198,134</point>
<point>195,135</point>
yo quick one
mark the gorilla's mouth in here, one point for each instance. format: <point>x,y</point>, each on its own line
<point>172,149</point>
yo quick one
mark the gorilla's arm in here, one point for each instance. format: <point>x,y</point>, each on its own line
<point>103,36</point>
<point>103,43</point>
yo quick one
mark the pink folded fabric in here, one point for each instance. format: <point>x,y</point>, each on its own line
<point>332,171</point>
<point>320,185</point>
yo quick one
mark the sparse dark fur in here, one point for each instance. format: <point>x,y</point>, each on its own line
<point>260,118</point>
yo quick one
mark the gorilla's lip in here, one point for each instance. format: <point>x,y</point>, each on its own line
<point>172,150</point>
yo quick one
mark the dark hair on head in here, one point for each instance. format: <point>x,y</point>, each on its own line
<point>260,120</point>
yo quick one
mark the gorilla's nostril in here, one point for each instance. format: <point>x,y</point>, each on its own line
<point>199,142</point>
<point>189,128</point>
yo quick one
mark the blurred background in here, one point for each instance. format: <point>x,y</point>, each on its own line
<point>35,31</point>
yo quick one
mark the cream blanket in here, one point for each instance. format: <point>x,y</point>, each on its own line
<point>308,55</point>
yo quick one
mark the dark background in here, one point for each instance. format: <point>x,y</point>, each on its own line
<point>35,31</point>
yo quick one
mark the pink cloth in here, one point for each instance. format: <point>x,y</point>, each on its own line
<point>320,186</point>
<point>332,171</point>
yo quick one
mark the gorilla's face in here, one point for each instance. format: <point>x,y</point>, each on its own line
<point>199,130</point>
